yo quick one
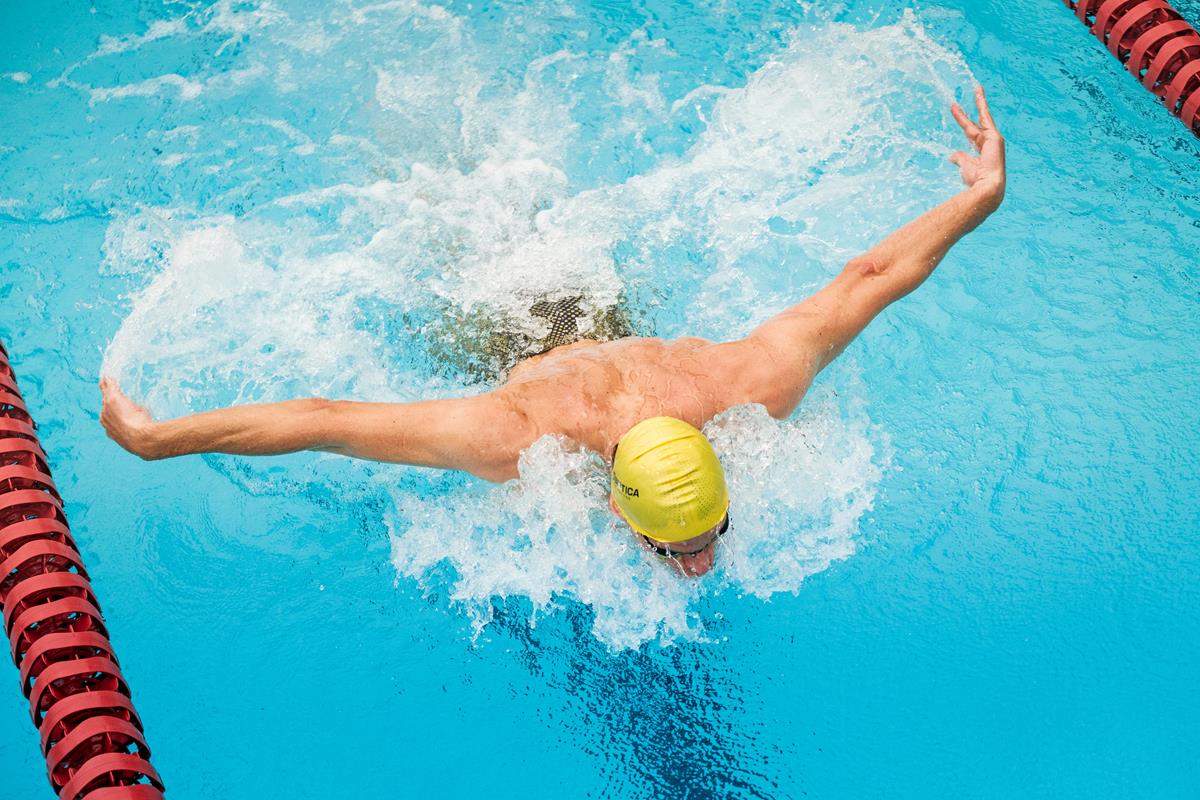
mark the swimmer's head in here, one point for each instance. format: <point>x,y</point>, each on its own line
<point>668,483</point>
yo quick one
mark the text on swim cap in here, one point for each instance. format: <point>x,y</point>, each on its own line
<point>628,491</point>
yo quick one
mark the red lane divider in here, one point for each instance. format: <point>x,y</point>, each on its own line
<point>91,736</point>
<point>1156,44</point>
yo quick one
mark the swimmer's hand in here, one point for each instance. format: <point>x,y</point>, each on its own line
<point>986,170</point>
<point>125,422</point>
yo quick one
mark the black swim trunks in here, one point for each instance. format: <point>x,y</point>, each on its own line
<point>486,346</point>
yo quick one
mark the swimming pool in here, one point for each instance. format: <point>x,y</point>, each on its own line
<point>968,567</point>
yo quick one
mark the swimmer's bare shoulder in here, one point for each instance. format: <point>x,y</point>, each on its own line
<point>754,370</point>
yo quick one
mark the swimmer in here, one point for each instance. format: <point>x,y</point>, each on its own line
<point>637,401</point>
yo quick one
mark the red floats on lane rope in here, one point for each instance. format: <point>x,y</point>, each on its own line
<point>1156,44</point>
<point>91,736</point>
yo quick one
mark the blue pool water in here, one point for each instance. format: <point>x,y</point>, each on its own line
<point>968,567</point>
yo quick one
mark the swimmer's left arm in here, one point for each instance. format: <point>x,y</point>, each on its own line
<point>460,433</point>
<point>808,336</point>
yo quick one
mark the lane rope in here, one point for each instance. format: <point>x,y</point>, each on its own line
<point>91,736</point>
<point>1156,44</point>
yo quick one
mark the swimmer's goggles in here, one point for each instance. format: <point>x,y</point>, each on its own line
<point>667,552</point>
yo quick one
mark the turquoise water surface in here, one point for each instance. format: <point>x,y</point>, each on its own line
<point>967,567</point>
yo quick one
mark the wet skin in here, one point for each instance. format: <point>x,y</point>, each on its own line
<point>590,392</point>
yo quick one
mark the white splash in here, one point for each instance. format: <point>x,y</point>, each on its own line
<point>334,290</point>
<point>184,88</point>
<point>798,490</point>
<point>159,29</point>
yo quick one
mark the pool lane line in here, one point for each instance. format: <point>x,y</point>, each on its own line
<point>1156,45</point>
<point>91,736</point>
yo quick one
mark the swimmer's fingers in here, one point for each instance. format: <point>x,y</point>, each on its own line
<point>114,401</point>
<point>968,126</point>
<point>968,166</point>
<point>985,115</point>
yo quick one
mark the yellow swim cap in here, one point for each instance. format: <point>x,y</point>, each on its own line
<point>667,481</point>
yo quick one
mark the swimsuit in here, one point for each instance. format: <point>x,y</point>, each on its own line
<point>486,347</point>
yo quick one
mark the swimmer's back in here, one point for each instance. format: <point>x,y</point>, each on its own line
<point>592,392</point>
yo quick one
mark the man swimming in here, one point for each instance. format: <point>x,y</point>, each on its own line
<point>639,401</point>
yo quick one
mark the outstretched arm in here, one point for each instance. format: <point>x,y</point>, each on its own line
<point>449,434</point>
<point>802,340</point>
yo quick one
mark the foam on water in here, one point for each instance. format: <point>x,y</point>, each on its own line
<point>799,489</point>
<point>477,207</point>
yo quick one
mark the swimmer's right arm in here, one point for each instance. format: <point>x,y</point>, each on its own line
<point>445,434</point>
<point>808,336</point>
